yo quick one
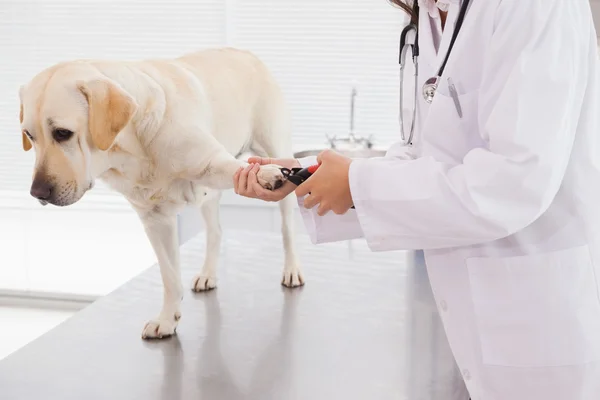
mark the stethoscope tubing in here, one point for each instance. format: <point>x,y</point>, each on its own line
<point>430,87</point>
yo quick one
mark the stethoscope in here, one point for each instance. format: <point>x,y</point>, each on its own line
<point>430,86</point>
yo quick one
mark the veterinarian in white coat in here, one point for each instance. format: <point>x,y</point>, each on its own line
<point>505,200</point>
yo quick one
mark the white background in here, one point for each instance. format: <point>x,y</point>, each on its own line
<point>318,49</point>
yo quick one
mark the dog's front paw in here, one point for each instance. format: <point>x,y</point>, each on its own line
<point>161,327</point>
<point>270,177</point>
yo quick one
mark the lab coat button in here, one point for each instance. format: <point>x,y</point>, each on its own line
<point>443,305</point>
<point>466,374</point>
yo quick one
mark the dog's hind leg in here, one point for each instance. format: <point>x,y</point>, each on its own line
<point>207,279</point>
<point>292,272</point>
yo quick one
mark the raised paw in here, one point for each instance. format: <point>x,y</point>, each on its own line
<point>292,278</point>
<point>270,177</point>
<point>203,283</point>
<point>161,328</point>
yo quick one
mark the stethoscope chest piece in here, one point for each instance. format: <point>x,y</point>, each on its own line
<point>429,88</point>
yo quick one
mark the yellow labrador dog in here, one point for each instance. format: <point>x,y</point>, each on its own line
<point>164,133</point>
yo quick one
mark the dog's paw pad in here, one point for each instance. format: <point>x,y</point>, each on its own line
<point>203,283</point>
<point>270,177</point>
<point>161,328</point>
<point>292,278</point>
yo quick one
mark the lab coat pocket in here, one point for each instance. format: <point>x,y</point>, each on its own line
<point>537,310</point>
<point>451,128</point>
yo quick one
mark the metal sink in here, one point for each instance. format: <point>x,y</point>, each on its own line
<point>352,153</point>
<point>352,146</point>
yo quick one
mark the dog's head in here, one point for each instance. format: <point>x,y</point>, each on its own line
<point>69,114</point>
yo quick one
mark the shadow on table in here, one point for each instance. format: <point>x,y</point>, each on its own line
<point>272,367</point>
<point>214,379</point>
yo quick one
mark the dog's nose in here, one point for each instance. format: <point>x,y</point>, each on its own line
<point>41,189</point>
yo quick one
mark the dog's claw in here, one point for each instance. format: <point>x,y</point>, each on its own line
<point>203,283</point>
<point>161,328</point>
<point>278,184</point>
<point>292,279</point>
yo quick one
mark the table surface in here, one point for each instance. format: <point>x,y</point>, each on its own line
<point>363,327</point>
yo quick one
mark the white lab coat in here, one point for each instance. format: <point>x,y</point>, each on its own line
<point>505,201</point>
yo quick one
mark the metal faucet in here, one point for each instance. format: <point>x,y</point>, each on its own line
<point>352,140</point>
<point>352,100</point>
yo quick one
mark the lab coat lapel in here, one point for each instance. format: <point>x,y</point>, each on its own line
<point>446,35</point>
<point>427,52</point>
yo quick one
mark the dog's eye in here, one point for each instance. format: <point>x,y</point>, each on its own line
<point>60,135</point>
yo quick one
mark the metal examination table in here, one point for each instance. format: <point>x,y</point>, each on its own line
<point>363,327</point>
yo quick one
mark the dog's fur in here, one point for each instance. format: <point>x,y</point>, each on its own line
<point>164,133</point>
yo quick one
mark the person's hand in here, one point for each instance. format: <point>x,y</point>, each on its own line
<point>329,186</point>
<point>245,182</point>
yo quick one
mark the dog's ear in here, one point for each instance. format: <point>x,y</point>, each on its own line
<point>26,142</point>
<point>110,110</point>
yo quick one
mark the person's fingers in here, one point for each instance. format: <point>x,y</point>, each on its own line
<point>260,160</point>
<point>304,188</point>
<point>291,163</point>
<point>340,210</point>
<point>252,180</point>
<point>252,177</point>
<point>285,190</point>
<point>243,184</point>
<point>236,178</point>
<point>272,195</point>
<point>284,162</point>
<point>324,155</point>
<point>262,193</point>
<point>320,157</point>
<point>323,209</point>
<point>310,201</point>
